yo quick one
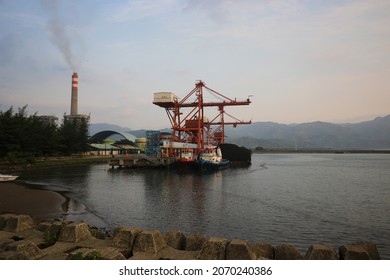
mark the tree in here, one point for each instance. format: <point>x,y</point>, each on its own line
<point>27,136</point>
<point>73,134</point>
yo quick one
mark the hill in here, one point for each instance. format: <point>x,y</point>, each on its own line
<point>374,134</point>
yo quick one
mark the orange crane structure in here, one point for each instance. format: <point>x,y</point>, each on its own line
<point>188,120</point>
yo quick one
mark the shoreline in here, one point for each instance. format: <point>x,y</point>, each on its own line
<point>48,162</point>
<point>20,198</point>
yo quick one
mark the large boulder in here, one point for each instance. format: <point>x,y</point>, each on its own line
<point>214,249</point>
<point>287,252</point>
<point>124,237</point>
<point>74,232</point>
<point>263,251</point>
<point>321,252</point>
<point>149,241</point>
<point>175,239</point>
<point>239,250</point>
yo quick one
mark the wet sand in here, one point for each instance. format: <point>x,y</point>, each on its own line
<point>18,199</point>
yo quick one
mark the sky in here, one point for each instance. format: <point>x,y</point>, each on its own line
<point>300,61</point>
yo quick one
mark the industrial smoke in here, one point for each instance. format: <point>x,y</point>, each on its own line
<point>58,33</point>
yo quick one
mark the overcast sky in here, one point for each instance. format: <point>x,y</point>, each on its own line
<point>301,60</point>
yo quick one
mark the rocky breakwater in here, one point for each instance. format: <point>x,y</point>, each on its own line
<point>22,237</point>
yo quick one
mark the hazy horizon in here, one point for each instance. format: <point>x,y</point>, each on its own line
<point>302,61</point>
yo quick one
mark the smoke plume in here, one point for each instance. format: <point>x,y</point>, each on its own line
<point>58,34</point>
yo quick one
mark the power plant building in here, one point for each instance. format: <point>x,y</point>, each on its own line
<point>49,120</point>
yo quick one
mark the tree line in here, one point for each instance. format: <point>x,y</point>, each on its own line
<point>23,136</point>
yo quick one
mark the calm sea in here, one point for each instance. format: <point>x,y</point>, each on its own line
<point>298,199</point>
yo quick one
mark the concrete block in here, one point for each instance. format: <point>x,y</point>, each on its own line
<point>42,227</point>
<point>195,242</point>
<point>370,248</point>
<point>239,250</point>
<point>110,253</point>
<point>149,241</point>
<point>169,253</point>
<point>124,237</point>
<point>3,220</point>
<point>175,239</point>
<point>287,252</point>
<point>53,232</point>
<point>321,252</point>
<point>84,254</point>
<point>74,232</point>
<point>25,249</point>
<point>353,252</point>
<point>10,255</point>
<point>263,251</point>
<point>214,249</point>
<point>16,223</point>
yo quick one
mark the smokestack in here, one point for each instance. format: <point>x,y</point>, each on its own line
<point>75,86</point>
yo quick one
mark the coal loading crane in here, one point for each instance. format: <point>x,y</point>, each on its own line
<point>188,120</point>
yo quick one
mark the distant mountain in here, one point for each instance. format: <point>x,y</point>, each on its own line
<point>374,134</point>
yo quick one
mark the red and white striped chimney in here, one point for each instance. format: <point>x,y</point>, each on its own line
<point>75,86</point>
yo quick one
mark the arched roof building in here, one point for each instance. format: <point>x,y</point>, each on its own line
<point>102,135</point>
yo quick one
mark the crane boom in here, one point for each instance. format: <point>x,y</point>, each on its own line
<point>192,126</point>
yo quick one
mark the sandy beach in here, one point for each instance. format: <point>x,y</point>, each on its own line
<point>19,199</point>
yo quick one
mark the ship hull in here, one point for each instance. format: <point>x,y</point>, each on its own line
<point>208,165</point>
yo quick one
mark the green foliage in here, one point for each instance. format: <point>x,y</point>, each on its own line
<point>26,137</point>
<point>73,136</point>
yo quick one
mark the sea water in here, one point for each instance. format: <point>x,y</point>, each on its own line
<point>297,199</point>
